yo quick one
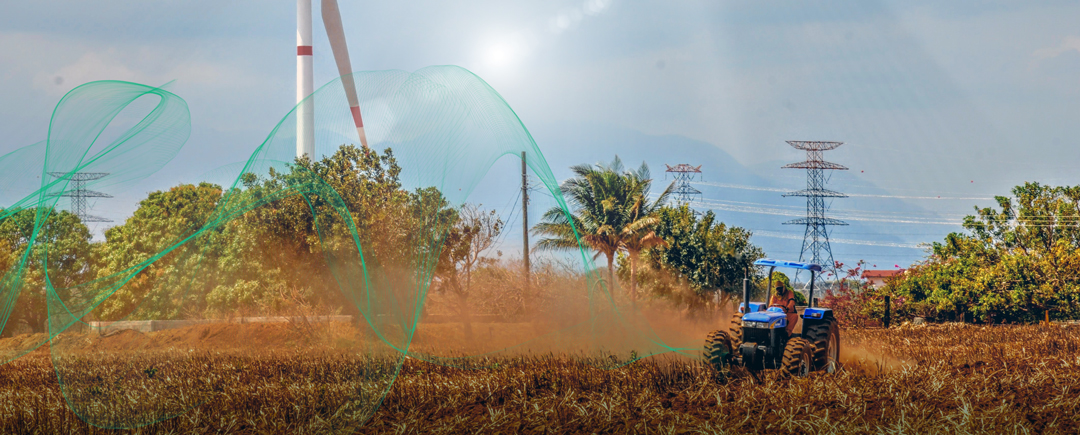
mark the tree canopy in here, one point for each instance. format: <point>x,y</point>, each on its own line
<point>1014,263</point>
<point>263,257</point>
<point>701,253</point>
<point>65,240</point>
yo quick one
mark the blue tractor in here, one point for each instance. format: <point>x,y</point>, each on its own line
<point>758,339</point>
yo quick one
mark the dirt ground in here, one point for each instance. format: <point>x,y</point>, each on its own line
<point>281,378</point>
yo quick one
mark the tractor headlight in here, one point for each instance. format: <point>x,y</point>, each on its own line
<point>752,324</point>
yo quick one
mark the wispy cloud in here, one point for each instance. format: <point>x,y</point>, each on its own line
<point>148,65</point>
<point>1070,43</point>
<point>91,66</point>
<point>568,18</point>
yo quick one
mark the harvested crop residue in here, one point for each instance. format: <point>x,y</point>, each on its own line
<point>935,379</point>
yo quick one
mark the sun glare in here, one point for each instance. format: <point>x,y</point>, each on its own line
<point>503,54</point>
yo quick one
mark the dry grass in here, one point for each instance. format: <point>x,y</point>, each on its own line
<point>939,379</point>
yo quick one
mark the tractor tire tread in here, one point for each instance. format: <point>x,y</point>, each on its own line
<point>819,337</point>
<point>793,356</point>
<point>718,349</point>
<point>735,331</point>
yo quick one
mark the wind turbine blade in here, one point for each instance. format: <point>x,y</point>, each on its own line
<point>336,33</point>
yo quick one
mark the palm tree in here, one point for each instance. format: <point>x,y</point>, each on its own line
<point>642,218</point>
<point>593,197</point>
<point>610,211</point>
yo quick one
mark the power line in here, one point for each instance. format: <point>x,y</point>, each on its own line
<point>509,221</point>
<point>768,209</point>
<point>780,235</point>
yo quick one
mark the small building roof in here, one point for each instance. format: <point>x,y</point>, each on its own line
<point>884,273</point>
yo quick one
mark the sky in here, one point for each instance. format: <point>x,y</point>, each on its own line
<point>958,100</point>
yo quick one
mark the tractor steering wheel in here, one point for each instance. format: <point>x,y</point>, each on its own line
<point>781,307</point>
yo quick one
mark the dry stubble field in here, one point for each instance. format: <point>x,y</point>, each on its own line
<point>953,379</point>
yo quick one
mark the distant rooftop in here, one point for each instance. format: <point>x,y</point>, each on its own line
<point>882,273</point>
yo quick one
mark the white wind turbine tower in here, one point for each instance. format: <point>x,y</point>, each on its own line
<point>305,84</point>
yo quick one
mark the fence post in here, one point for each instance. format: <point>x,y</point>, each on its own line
<point>888,311</point>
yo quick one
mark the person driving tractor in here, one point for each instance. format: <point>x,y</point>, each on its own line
<point>785,299</point>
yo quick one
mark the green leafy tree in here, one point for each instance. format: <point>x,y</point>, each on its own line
<point>355,190</point>
<point>63,247</point>
<point>707,256</point>
<point>1016,262</point>
<point>289,238</point>
<point>148,287</point>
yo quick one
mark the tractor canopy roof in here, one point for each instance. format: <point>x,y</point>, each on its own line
<point>790,264</point>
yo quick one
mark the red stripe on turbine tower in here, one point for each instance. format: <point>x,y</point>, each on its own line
<point>356,116</point>
<point>303,50</point>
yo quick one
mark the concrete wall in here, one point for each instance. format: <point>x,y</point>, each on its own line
<point>161,325</point>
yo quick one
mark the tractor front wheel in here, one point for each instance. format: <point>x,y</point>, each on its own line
<point>718,349</point>
<point>798,357</point>
<point>826,339</point>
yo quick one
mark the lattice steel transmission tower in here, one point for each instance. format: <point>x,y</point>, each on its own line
<point>684,174</point>
<point>78,193</point>
<point>816,238</point>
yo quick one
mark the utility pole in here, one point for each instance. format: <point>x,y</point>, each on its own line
<point>525,219</point>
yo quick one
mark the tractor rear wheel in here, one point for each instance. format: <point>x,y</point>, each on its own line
<point>798,357</point>
<point>718,349</point>
<point>826,339</point>
<point>735,331</point>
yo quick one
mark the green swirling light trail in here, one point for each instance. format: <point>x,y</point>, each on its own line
<point>446,127</point>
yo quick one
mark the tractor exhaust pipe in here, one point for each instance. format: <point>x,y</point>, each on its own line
<point>810,302</point>
<point>745,293</point>
<point>768,288</point>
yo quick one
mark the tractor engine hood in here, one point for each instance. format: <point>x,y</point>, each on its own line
<point>767,317</point>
